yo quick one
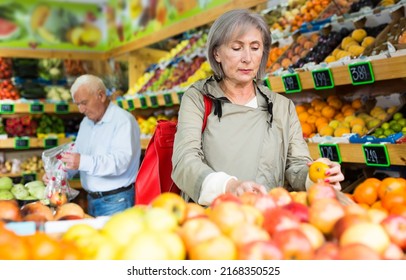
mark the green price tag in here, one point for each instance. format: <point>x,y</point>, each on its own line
<point>267,83</point>
<point>376,155</point>
<point>330,151</point>
<point>168,99</point>
<point>120,103</point>
<point>143,102</point>
<point>29,177</point>
<point>50,142</point>
<point>62,108</point>
<point>361,73</point>
<point>130,104</point>
<point>7,108</point>
<point>21,143</point>
<point>322,79</point>
<point>36,108</point>
<point>154,101</point>
<point>291,82</point>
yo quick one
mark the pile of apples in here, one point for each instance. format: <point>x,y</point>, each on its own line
<point>298,225</point>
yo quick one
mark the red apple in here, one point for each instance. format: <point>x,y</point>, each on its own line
<point>194,210</point>
<point>174,203</point>
<point>280,195</point>
<point>327,251</point>
<point>58,198</point>
<point>299,210</point>
<point>314,235</point>
<point>197,230</point>
<point>293,244</point>
<point>225,197</point>
<point>323,213</point>
<point>227,215</point>
<point>395,227</point>
<point>260,250</point>
<point>246,233</point>
<point>393,252</point>
<point>368,234</point>
<point>357,251</point>
<point>279,219</point>
<point>345,222</point>
<point>262,202</point>
<point>319,191</point>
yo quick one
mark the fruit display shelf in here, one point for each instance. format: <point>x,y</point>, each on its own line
<point>383,69</point>
<point>31,143</point>
<point>37,107</point>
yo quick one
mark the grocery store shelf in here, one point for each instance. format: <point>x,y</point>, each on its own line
<point>9,143</point>
<point>384,69</point>
<point>58,108</point>
<point>72,183</point>
<point>352,153</point>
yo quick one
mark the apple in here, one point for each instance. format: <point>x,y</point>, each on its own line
<point>69,209</point>
<point>58,198</point>
<point>323,213</point>
<point>220,247</point>
<point>10,211</point>
<point>319,191</point>
<point>357,251</point>
<point>369,234</point>
<point>194,210</point>
<point>280,195</point>
<point>225,197</point>
<point>299,196</point>
<point>246,233</point>
<point>293,244</point>
<point>262,202</point>
<point>260,250</point>
<point>355,209</point>
<point>327,251</point>
<point>39,209</point>
<point>298,209</point>
<point>376,215</point>
<point>345,222</point>
<point>393,252</point>
<point>172,202</point>
<point>160,220</point>
<point>227,215</point>
<point>152,245</point>
<point>252,215</point>
<point>279,219</point>
<point>395,227</point>
<point>314,235</point>
<point>197,230</point>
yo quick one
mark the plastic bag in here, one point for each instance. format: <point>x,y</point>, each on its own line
<point>58,190</point>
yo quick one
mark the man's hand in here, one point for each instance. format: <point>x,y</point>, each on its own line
<point>71,160</point>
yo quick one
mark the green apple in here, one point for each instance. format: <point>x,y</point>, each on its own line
<point>397,116</point>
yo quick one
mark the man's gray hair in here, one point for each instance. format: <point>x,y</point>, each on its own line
<point>93,84</point>
<point>235,23</point>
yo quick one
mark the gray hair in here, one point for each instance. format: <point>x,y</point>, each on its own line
<point>93,83</point>
<point>231,24</point>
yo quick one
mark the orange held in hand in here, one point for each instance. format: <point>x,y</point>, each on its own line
<point>317,171</point>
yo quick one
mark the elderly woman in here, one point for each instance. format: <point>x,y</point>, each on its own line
<point>253,140</point>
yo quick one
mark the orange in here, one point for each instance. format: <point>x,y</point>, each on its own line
<point>328,112</point>
<point>307,129</point>
<point>311,119</point>
<point>303,116</point>
<point>341,130</point>
<point>43,247</point>
<point>317,171</point>
<point>326,130</point>
<point>336,104</point>
<point>392,199</point>
<point>300,108</point>
<point>365,193</point>
<point>356,103</point>
<point>391,185</point>
<point>373,181</point>
<point>378,205</point>
<point>348,112</point>
<point>398,209</point>
<point>345,107</point>
<point>13,247</point>
<point>321,120</point>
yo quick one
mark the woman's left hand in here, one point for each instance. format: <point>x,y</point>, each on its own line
<point>334,174</point>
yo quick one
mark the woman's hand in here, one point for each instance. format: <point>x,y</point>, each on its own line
<point>239,187</point>
<point>334,174</point>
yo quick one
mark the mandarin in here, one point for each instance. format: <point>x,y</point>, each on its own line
<point>43,247</point>
<point>365,193</point>
<point>391,185</point>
